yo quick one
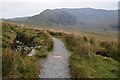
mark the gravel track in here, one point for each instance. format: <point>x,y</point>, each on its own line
<point>56,65</point>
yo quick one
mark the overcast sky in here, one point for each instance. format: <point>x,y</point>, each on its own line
<point>19,8</point>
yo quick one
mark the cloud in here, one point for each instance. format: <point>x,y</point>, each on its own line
<point>21,9</point>
<point>59,1</point>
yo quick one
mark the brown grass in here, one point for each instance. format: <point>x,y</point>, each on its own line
<point>84,63</point>
<point>16,65</point>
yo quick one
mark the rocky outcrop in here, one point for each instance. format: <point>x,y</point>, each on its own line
<point>23,43</point>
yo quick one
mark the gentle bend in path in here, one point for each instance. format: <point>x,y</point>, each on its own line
<point>56,64</point>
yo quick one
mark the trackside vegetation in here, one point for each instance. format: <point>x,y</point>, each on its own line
<point>84,61</point>
<point>17,64</point>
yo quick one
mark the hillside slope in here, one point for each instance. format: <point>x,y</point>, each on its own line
<point>83,18</point>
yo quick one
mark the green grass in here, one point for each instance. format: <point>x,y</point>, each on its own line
<point>17,65</point>
<point>83,61</point>
<point>96,67</point>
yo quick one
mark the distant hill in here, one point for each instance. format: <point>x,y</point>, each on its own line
<point>19,19</point>
<point>83,18</point>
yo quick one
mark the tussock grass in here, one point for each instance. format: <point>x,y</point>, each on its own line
<point>111,47</point>
<point>17,65</point>
<point>83,61</point>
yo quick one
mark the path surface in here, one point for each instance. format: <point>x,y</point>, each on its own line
<point>56,64</point>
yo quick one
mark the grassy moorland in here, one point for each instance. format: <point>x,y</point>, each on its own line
<point>83,62</point>
<point>16,64</point>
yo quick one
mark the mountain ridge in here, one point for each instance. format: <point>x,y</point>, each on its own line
<point>90,18</point>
